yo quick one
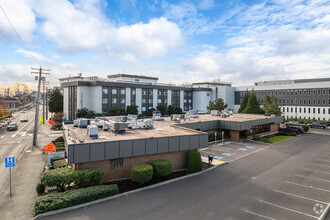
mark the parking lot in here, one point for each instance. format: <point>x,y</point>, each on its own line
<point>230,151</point>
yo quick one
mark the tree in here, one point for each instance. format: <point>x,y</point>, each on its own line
<point>217,104</point>
<point>244,101</point>
<point>162,109</point>
<point>132,109</point>
<point>149,111</point>
<point>117,111</point>
<point>253,106</point>
<point>170,110</point>
<point>270,106</point>
<point>56,101</point>
<point>81,113</point>
<point>178,110</point>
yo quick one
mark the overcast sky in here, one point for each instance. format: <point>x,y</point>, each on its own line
<point>178,41</point>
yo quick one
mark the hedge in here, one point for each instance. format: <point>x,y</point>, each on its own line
<point>60,178</point>
<point>256,137</point>
<point>58,149</point>
<point>84,178</point>
<point>141,173</point>
<point>306,127</point>
<point>63,177</point>
<point>162,167</point>
<point>59,164</point>
<point>194,163</point>
<point>53,159</point>
<point>59,139</point>
<point>66,199</point>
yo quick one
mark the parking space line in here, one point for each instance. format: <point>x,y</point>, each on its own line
<point>23,134</point>
<point>302,197</point>
<point>14,135</point>
<point>323,160</point>
<point>317,171</point>
<point>257,214</point>
<point>310,187</point>
<point>313,178</point>
<point>292,210</point>
<point>249,154</point>
<point>315,164</point>
<point>242,148</point>
<point>2,136</point>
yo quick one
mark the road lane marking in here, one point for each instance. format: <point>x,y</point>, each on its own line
<point>14,135</point>
<point>313,178</point>
<point>302,197</point>
<point>2,136</point>
<point>317,171</point>
<point>315,164</point>
<point>257,214</point>
<point>310,187</point>
<point>23,134</point>
<point>292,210</point>
<point>249,154</point>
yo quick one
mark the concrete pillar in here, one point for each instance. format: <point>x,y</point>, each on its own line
<point>169,97</point>
<point>138,96</point>
<point>181,99</point>
<point>155,98</point>
<point>234,135</point>
<point>128,96</point>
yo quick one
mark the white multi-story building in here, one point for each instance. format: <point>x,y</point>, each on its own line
<point>308,98</point>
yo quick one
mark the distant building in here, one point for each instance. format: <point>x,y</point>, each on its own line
<point>11,102</point>
<point>305,98</point>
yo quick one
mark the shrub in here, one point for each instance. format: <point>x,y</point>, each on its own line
<point>142,173</point>
<point>212,135</point>
<point>59,143</point>
<point>61,200</point>
<point>53,159</point>
<point>194,162</point>
<point>306,127</point>
<point>88,177</point>
<point>162,167</point>
<point>58,149</point>
<point>40,188</point>
<point>256,137</point>
<point>59,139</point>
<point>59,164</point>
<point>60,178</point>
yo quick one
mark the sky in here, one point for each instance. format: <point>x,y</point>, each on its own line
<point>179,41</point>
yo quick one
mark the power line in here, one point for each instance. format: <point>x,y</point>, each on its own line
<point>20,39</point>
<point>4,43</point>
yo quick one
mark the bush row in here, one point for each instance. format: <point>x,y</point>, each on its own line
<point>63,177</point>
<point>194,163</point>
<point>66,199</point>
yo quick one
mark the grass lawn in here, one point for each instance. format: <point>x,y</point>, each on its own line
<point>277,139</point>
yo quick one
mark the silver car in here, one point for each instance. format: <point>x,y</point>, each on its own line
<point>24,119</point>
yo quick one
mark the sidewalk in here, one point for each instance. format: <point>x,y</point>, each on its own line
<point>25,177</point>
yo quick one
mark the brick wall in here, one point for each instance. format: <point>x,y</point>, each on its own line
<point>179,160</point>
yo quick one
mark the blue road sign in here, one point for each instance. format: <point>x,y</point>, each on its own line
<point>9,161</point>
<point>251,130</point>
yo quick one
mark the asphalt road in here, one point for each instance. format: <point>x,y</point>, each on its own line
<point>12,143</point>
<point>290,180</point>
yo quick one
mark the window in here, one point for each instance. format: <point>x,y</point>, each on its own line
<point>143,101</point>
<point>133,91</point>
<point>304,101</point>
<point>159,101</point>
<point>291,109</point>
<point>276,93</point>
<point>314,91</point>
<point>287,101</point>
<point>318,111</point>
<point>300,92</point>
<point>283,109</point>
<point>262,93</point>
<point>309,110</point>
<point>114,91</point>
<point>280,92</point>
<point>324,111</point>
<point>299,110</point>
<point>287,109</point>
<point>296,101</point>
<point>304,91</point>
<point>150,100</point>
<point>104,101</point>
<point>105,91</point>
<point>309,101</point>
<point>291,101</point>
<point>114,101</point>
<point>319,92</point>
<point>296,92</point>
<point>122,91</point>
<point>323,101</point>
<point>319,101</point>
<point>323,91</point>
<point>280,101</point>
<point>329,111</point>
<point>144,92</point>
<point>314,102</point>
<point>208,94</point>
<point>287,92</point>
<point>313,110</point>
<point>291,92</point>
<point>122,101</point>
<point>304,110</point>
<point>329,101</point>
<point>309,92</point>
<point>150,92</point>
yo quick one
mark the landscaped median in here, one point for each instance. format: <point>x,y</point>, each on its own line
<point>277,139</point>
<point>66,187</point>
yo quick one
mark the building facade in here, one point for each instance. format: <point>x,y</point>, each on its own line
<point>306,98</point>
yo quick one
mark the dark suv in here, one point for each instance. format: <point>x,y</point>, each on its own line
<point>12,127</point>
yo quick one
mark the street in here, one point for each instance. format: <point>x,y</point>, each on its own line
<point>289,180</point>
<point>12,143</point>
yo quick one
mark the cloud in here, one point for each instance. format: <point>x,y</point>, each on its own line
<point>206,4</point>
<point>33,55</point>
<point>84,26</point>
<point>22,18</point>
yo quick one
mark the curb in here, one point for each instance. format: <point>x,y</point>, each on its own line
<point>125,193</point>
<point>322,217</point>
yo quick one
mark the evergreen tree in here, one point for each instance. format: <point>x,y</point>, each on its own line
<point>270,106</point>
<point>162,109</point>
<point>244,102</point>
<point>132,109</point>
<point>56,101</point>
<point>178,110</point>
<point>217,104</point>
<point>170,110</point>
<point>253,106</point>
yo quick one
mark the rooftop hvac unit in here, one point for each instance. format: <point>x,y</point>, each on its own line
<point>177,117</point>
<point>215,112</point>
<point>83,123</point>
<point>193,113</point>
<point>92,131</point>
<point>75,123</point>
<point>97,122</point>
<point>157,116</point>
<point>119,127</point>
<point>106,126</point>
<point>122,118</point>
<point>131,117</point>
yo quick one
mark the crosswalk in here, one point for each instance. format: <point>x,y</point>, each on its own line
<point>22,134</point>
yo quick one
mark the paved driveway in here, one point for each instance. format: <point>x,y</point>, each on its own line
<point>290,180</point>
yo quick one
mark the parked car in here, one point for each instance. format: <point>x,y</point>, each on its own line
<point>317,125</point>
<point>3,123</point>
<point>24,119</point>
<point>293,122</point>
<point>12,127</point>
<point>294,129</point>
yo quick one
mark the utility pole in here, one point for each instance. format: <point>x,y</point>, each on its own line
<point>40,73</point>
<point>43,100</point>
<point>47,90</point>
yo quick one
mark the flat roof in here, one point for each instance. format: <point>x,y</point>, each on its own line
<point>131,76</point>
<point>164,128</point>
